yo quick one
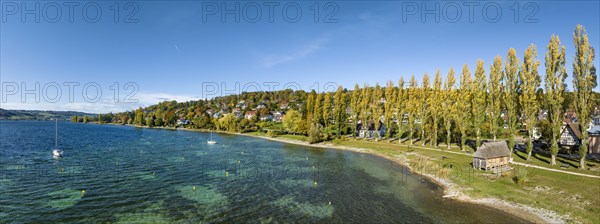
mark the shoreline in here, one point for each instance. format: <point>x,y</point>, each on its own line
<point>450,189</point>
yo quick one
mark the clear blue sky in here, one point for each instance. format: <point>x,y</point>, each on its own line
<point>176,46</point>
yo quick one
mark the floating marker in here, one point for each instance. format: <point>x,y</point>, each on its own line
<point>82,193</point>
<point>329,203</point>
<point>62,170</point>
<point>238,162</point>
<point>226,173</point>
<point>315,184</point>
<point>194,188</point>
<point>306,158</point>
<point>153,173</point>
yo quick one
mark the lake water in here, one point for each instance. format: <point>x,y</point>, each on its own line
<point>133,175</point>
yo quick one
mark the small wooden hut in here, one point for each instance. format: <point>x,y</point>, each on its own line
<point>492,156</point>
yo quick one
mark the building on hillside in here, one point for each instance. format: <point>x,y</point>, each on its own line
<point>284,106</point>
<point>492,156</point>
<point>250,114</point>
<point>267,117</point>
<point>368,131</point>
<point>238,114</point>
<point>183,122</point>
<point>278,116</point>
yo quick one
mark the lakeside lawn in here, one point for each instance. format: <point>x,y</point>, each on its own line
<point>566,194</point>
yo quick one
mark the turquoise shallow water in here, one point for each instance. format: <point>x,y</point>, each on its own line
<point>122,174</point>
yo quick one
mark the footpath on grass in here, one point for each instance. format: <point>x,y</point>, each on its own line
<point>518,163</point>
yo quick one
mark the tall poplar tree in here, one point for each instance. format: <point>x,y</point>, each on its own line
<point>449,105</point>
<point>355,106</point>
<point>495,94</point>
<point>412,106</point>
<point>463,115</point>
<point>364,104</point>
<point>434,107</point>
<point>339,112</point>
<point>583,85</point>
<point>479,101</point>
<point>376,108</point>
<point>554,81</point>
<point>327,113</point>
<point>401,105</point>
<point>511,96</point>
<point>529,81</point>
<point>390,104</point>
<point>310,107</point>
<point>318,114</point>
<point>422,108</point>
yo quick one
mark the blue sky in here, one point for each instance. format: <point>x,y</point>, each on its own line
<point>171,49</point>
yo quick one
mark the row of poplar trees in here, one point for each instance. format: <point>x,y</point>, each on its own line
<point>510,87</point>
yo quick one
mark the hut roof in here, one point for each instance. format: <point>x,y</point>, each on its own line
<point>490,150</point>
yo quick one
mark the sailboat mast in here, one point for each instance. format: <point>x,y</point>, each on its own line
<point>56,132</point>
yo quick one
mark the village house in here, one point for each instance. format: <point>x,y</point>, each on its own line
<point>261,105</point>
<point>368,131</point>
<point>241,104</point>
<point>570,136</point>
<point>492,156</point>
<point>284,106</point>
<point>267,117</point>
<point>594,139</point>
<point>250,114</point>
<point>182,121</point>
<point>278,116</point>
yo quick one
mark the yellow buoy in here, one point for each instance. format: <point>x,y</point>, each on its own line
<point>226,173</point>
<point>315,184</point>
<point>82,193</point>
<point>238,162</point>
<point>329,203</point>
<point>194,188</point>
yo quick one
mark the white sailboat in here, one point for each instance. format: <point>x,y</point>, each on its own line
<point>211,141</point>
<point>56,152</point>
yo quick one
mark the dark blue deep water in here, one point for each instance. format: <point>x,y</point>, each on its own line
<point>123,174</point>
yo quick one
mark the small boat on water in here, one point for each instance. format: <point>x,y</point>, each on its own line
<point>211,141</point>
<point>56,152</point>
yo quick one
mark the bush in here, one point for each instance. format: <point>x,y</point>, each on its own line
<point>521,176</point>
<point>271,133</point>
<point>444,172</point>
<point>314,134</point>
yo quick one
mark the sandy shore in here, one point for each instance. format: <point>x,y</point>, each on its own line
<point>451,190</point>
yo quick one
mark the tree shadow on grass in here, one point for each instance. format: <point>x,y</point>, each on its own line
<point>541,158</point>
<point>519,155</point>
